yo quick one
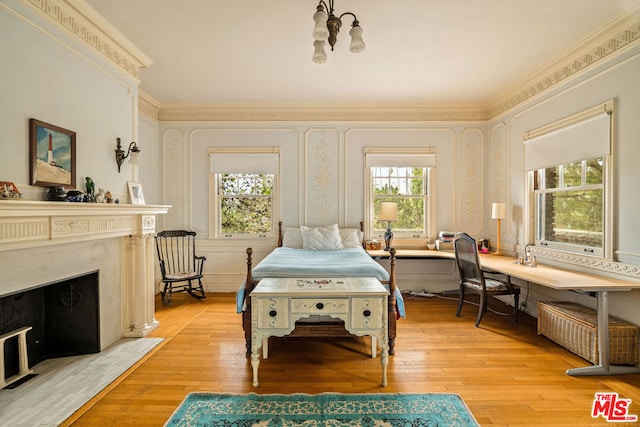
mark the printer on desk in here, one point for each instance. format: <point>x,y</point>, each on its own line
<point>444,242</point>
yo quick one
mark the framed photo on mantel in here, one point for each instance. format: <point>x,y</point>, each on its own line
<point>135,191</point>
<point>52,155</point>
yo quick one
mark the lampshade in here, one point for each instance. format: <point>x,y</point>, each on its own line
<point>498,211</point>
<point>357,43</point>
<point>320,31</point>
<point>388,211</point>
<point>134,158</point>
<point>319,54</point>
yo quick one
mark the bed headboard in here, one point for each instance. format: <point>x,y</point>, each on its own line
<point>280,234</point>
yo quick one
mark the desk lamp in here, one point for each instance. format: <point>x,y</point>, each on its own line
<point>498,212</point>
<point>388,212</point>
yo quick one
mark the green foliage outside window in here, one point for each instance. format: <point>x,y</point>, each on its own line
<point>407,188</point>
<point>569,201</point>
<point>246,203</point>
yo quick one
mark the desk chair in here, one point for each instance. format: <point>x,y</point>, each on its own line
<point>472,277</point>
<point>179,264</point>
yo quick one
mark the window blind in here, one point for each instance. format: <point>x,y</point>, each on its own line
<point>400,160</point>
<point>585,139</point>
<point>250,163</point>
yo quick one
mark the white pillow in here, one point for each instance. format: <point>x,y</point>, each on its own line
<point>321,238</point>
<point>292,237</point>
<point>351,237</point>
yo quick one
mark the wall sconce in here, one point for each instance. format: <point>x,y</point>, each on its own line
<point>133,150</point>
<point>388,212</point>
<point>498,212</point>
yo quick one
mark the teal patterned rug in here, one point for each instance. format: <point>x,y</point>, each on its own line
<point>326,409</point>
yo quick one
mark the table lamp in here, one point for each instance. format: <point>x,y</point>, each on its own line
<point>388,212</point>
<point>498,212</point>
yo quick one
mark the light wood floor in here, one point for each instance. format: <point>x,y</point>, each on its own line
<point>507,375</point>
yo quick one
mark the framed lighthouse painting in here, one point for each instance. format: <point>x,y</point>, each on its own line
<point>52,155</point>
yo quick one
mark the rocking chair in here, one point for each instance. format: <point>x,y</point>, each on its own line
<point>179,264</point>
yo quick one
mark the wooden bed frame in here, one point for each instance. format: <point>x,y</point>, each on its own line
<point>320,329</point>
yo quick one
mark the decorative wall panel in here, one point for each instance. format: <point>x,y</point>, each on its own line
<point>175,179</point>
<point>322,192</point>
<point>472,161</point>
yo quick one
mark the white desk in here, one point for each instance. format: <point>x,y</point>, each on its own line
<point>557,278</point>
<point>276,305</point>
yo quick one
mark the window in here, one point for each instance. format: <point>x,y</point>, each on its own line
<point>403,176</point>
<point>244,187</point>
<point>408,188</point>
<point>569,178</point>
<point>569,205</point>
<point>246,203</point>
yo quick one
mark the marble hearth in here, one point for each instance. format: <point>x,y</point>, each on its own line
<point>46,242</point>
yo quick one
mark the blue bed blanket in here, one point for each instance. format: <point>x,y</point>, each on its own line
<point>288,262</point>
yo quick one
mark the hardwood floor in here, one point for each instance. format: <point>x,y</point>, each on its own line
<point>506,374</point>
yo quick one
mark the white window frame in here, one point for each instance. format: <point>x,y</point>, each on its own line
<point>401,157</point>
<point>561,188</point>
<point>265,157</point>
<point>562,135</point>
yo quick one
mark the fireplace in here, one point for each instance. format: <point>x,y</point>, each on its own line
<point>64,317</point>
<point>46,248</point>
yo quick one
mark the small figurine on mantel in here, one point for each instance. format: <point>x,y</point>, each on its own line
<point>91,187</point>
<point>108,198</point>
<point>8,190</point>
<point>100,196</point>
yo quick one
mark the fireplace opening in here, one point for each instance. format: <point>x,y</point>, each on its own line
<point>64,316</point>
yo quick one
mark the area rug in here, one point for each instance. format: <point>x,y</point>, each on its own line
<point>326,409</point>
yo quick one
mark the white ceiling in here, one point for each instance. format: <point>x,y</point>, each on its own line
<point>418,53</point>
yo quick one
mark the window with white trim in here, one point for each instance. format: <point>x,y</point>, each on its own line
<point>569,177</point>
<point>569,202</point>
<point>403,176</point>
<point>244,186</point>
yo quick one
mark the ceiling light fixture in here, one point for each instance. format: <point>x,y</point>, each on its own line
<point>327,28</point>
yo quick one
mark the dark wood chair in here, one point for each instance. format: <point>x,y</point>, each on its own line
<point>473,279</point>
<point>179,264</point>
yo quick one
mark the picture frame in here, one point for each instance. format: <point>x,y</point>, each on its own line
<point>135,192</point>
<point>52,153</point>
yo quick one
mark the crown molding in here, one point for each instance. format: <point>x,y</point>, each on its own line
<point>611,40</point>
<point>83,22</point>
<point>148,105</point>
<point>187,112</point>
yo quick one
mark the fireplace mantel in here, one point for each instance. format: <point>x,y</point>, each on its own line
<point>26,224</point>
<point>29,229</point>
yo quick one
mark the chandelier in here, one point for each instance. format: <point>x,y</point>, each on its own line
<point>327,28</point>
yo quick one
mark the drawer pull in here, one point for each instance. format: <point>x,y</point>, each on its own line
<point>319,306</point>
<point>366,313</point>
<point>273,313</point>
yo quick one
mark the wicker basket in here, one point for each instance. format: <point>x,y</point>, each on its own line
<point>573,326</point>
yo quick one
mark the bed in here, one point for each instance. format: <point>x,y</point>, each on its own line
<point>326,252</point>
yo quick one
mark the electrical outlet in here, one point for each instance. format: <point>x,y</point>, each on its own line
<point>523,306</point>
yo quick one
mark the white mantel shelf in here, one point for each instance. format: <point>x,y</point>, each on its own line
<point>25,224</point>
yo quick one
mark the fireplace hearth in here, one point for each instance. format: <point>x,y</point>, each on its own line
<point>64,316</point>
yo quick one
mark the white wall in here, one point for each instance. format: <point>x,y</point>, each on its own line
<point>48,75</point>
<point>310,151</point>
